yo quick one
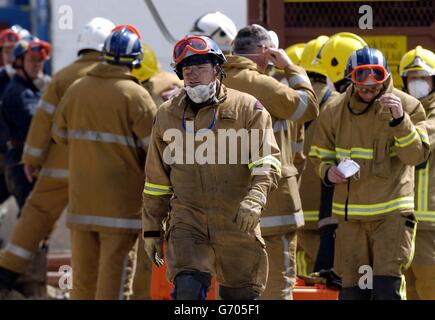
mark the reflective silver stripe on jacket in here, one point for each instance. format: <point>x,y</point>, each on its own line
<point>144,143</point>
<point>279,221</point>
<point>19,251</point>
<point>327,221</point>
<point>61,133</point>
<point>54,173</point>
<point>297,147</point>
<point>100,137</point>
<point>302,105</point>
<point>47,107</point>
<point>34,152</point>
<point>280,125</point>
<point>297,80</point>
<point>104,221</point>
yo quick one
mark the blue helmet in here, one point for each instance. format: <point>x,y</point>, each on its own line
<point>366,56</point>
<point>123,46</point>
<point>194,49</point>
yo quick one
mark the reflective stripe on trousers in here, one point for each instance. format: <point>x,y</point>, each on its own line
<point>104,221</point>
<point>19,251</point>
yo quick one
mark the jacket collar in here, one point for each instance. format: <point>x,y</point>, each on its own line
<point>428,102</point>
<point>239,62</point>
<point>90,56</point>
<point>109,71</point>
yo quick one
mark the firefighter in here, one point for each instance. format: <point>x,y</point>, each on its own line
<point>48,160</point>
<point>333,58</point>
<point>19,104</point>
<point>308,235</point>
<point>105,119</point>
<point>218,27</point>
<point>214,205</point>
<point>417,69</point>
<point>283,214</point>
<point>366,143</point>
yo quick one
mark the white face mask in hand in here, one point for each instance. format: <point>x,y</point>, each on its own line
<point>201,93</point>
<point>418,88</point>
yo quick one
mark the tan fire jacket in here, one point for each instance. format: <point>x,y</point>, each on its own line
<point>310,181</point>
<point>106,119</point>
<point>387,155</point>
<point>214,189</point>
<point>39,150</point>
<point>294,102</point>
<point>425,173</point>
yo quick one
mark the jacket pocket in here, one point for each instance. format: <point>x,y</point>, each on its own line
<point>381,166</point>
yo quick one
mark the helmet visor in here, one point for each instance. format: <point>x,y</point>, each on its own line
<point>195,45</point>
<point>369,74</point>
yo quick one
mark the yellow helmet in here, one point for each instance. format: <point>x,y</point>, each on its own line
<point>295,52</point>
<point>418,59</point>
<point>149,65</point>
<point>335,52</point>
<point>309,61</point>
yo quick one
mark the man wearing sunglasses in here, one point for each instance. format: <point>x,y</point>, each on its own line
<point>214,208</point>
<point>417,69</point>
<point>247,71</point>
<point>382,130</point>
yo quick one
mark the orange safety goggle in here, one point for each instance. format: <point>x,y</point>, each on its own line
<point>9,37</point>
<point>361,75</point>
<point>194,44</point>
<point>130,27</point>
<point>40,49</point>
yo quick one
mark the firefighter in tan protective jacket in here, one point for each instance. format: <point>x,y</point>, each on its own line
<point>294,102</point>
<point>48,160</point>
<point>367,143</point>
<point>215,196</point>
<point>105,118</point>
<point>417,69</point>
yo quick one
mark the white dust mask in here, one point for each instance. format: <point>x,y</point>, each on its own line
<point>418,88</point>
<point>201,93</point>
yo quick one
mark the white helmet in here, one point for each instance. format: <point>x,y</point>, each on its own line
<point>93,35</point>
<point>217,26</point>
<point>23,33</point>
<point>274,37</point>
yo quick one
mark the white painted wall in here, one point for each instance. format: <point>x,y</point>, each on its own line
<point>178,16</point>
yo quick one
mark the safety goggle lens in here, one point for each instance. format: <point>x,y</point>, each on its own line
<point>197,44</point>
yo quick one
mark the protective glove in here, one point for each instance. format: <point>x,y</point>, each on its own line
<point>248,214</point>
<point>154,249</point>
